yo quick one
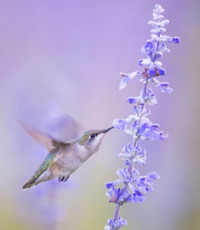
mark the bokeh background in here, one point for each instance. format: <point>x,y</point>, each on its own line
<point>64,57</point>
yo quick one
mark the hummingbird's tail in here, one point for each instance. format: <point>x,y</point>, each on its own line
<point>39,176</point>
<point>30,183</point>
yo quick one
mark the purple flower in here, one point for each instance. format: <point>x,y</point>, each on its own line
<point>131,186</point>
<point>118,195</point>
<point>126,78</point>
<point>129,149</point>
<point>140,155</point>
<point>113,184</point>
<point>145,183</point>
<point>136,100</point>
<point>164,87</point>
<point>153,176</point>
<point>124,175</point>
<point>150,131</point>
<point>161,71</point>
<point>148,47</point>
<point>137,197</point>
<point>144,62</point>
<point>135,111</point>
<point>174,40</point>
<point>120,124</point>
<point>115,224</point>
<point>150,97</point>
<point>152,72</point>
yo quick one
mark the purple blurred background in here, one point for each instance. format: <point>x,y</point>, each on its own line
<point>64,56</point>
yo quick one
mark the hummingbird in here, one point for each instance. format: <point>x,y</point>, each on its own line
<point>64,158</point>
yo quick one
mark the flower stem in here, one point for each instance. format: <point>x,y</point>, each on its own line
<point>116,214</point>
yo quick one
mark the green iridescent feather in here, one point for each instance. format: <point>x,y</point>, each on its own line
<point>46,163</point>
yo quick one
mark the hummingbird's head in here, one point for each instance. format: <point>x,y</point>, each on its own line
<point>92,139</point>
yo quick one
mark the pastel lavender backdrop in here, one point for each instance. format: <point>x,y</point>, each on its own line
<point>65,57</point>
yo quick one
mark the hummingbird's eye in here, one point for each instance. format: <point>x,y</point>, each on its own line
<point>93,135</point>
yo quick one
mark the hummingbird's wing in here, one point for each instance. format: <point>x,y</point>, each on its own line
<point>65,128</point>
<point>61,131</point>
<point>46,140</point>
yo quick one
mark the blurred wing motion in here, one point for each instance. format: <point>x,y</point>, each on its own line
<point>65,129</point>
<point>40,137</point>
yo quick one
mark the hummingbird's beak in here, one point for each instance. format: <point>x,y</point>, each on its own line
<point>106,130</point>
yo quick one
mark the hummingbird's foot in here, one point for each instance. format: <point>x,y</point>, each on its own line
<point>63,178</point>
